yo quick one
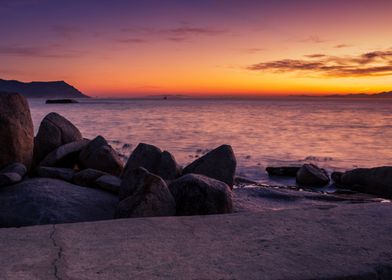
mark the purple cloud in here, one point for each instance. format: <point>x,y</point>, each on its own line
<point>376,63</point>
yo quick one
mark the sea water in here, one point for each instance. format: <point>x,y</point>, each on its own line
<point>334,133</point>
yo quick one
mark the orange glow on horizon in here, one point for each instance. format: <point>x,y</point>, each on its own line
<point>327,48</point>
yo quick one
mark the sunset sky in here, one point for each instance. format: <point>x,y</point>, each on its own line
<point>125,48</point>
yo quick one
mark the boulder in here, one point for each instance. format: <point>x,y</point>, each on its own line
<point>337,177</point>
<point>154,160</point>
<point>66,155</point>
<point>200,195</point>
<point>87,177</point>
<point>144,155</point>
<point>168,168</point>
<point>219,164</point>
<point>134,179</point>
<point>99,155</point>
<point>285,171</point>
<point>150,196</point>
<point>377,181</point>
<point>310,175</point>
<point>41,201</point>
<point>16,130</point>
<point>18,168</point>
<point>9,178</point>
<point>65,174</point>
<point>108,183</point>
<point>54,131</point>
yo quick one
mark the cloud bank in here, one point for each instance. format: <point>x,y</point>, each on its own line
<point>375,63</point>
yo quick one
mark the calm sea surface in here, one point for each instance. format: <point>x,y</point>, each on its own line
<point>333,133</point>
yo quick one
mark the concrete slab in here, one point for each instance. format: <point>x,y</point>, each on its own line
<point>323,242</point>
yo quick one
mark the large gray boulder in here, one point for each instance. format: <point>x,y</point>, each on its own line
<point>310,175</point>
<point>66,155</point>
<point>377,181</point>
<point>16,130</point>
<point>149,196</point>
<point>47,201</point>
<point>154,160</point>
<point>99,155</point>
<point>54,131</point>
<point>200,195</point>
<point>219,164</point>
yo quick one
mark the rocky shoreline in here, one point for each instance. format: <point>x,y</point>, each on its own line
<point>59,177</point>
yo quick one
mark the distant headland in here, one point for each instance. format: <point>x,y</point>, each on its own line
<point>55,89</point>
<point>386,94</point>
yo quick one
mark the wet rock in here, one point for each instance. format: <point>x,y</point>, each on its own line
<point>219,164</point>
<point>154,160</point>
<point>9,178</point>
<point>244,181</point>
<point>146,156</point>
<point>18,168</point>
<point>54,131</point>
<point>337,177</point>
<point>133,180</point>
<point>99,155</point>
<point>65,174</point>
<point>310,175</point>
<point>286,171</point>
<point>149,197</point>
<point>16,130</point>
<point>47,201</point>
<point>109,183</point>
<point>66,155</point>
<point>377,181</point>
<point>168,168</point>
<point>87,177</point>
<point>200,195</point>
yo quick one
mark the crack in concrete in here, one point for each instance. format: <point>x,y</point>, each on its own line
<point>59,253</point>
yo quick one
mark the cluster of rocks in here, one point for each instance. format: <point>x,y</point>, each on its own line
<point>151,183</point>
<point>307,175</point>
<point>376,181</point>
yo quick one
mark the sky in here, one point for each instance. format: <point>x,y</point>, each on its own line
<point>217,47</point>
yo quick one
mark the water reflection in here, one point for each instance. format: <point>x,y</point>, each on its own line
<point>336,134</point>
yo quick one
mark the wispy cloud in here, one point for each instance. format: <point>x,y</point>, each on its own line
<point>313,39</point>
<point>132,40</point>
<point>252,50</point>
<point>65,31</point>
<point>341,46</point>
<point>182,33</point>
<point>375,63</point>
<point>316,55</point>
<point>37,51</point>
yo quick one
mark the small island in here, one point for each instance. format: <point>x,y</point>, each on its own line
<point>61,101</point>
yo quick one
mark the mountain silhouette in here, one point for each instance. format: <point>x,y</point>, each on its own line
<point>55,89</point>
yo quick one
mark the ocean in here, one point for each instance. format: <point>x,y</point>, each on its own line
<point>334,133</point>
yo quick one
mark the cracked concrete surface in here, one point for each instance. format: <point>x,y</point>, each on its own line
<point>56,261</point>
<point>343,242</point>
